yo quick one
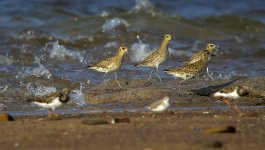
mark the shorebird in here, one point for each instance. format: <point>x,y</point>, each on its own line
<point>189,71</point>
<point>111,64</point>
<point>157,57</point>
<point>160,105</point>
<point>197,56</point>
<point>234,92</point>
<point>51,101</point>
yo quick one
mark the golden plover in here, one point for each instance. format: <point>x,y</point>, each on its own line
<point>234,92</point>
<point>190,70</point>
<point>160,105</point>
<point>51,101</point>
<point>157,57</point>
<point>197,56</point>
<point>111,64</point>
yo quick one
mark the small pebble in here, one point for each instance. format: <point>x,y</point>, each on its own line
<point>214,144</point>
<point>122,120</point>
<point>220,129</point>
<point>97,121</point>
<point>6,117</point>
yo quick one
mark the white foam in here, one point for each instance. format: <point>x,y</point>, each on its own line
<point>104,14</point>
<point>2,106</point>
<point>3,89</point>
<point>179,53</point>
<point>144,5</point>
<point>111,44</point>
<point>113,23</point>
<point>228,76</point>
<point>39,90</point>
<point>59,52</point>
<point>139,51</point>
<point>6,60</point>
<point>78,97</point>
<point>38,71</point>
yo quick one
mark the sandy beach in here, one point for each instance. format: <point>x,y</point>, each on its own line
<point>173,129</point>
<point>146,131</point>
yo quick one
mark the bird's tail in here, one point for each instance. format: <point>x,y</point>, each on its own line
<point>142,64</point>
<point>29,100</point>
<point>167,70</point>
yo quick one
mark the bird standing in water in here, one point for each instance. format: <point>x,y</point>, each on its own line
<point>157,57</point>
<point>51,101</point>
<point>111,64</point>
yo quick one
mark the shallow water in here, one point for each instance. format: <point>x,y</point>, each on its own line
<point>46,44</point>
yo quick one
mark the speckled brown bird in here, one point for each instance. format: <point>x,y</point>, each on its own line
<point>157,57</point>
<point>189,71</point>
<point>51,101</point>
<point>233,92</point>
<point>197,56</point>
<point>111,64</point>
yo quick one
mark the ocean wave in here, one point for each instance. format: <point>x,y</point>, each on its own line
<point>38,71</point>
<point>39,90</point>
<point>59,52</point>
<point>112,24</point>
<point>144,6</point>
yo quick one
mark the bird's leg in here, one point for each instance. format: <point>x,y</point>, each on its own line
<point>104,79</point>
<point>208,74</point>
<point>50,115</point>
<point>180,84</point>
<point>158,74</point>
<point>115,75</point>
<point>150,75</point>
<point>236,107</point>
<point>227,102</point>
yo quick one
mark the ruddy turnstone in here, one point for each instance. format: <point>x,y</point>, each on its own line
<point>157,57</point>
<point>111,64</point>
<point>51,101</point>
<point>160,105</point>
<point>234,92</point>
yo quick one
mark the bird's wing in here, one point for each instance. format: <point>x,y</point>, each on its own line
<point>156,103</point>
<point>106,63</point>
<point>45,99</point>
<point>153,57</point>
<point>196,57</point>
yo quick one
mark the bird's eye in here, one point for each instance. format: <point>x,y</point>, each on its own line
<point>211,45</point>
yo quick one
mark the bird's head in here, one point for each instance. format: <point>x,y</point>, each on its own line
<point>168,37</point>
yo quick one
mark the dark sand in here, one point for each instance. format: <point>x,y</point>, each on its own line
<point>170,130</point>
<point>174,129</point>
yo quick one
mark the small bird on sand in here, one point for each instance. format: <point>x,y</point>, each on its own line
<point>111,64</point>
<point>189,71</point>
<point>51,101</point>
<point>157,57</point>
<point>234,92</point>
<point>197,56</point>
<point>160,105</point>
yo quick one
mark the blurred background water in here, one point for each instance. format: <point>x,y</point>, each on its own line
<point>46,44</point>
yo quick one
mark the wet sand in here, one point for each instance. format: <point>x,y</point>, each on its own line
<point>168,130</point>
<point>173,129</point>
